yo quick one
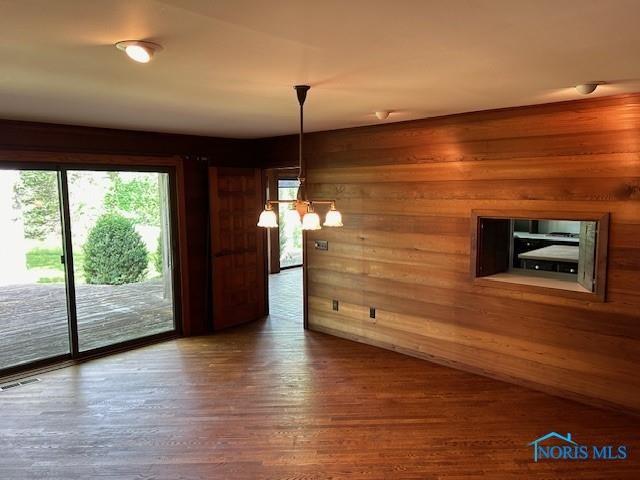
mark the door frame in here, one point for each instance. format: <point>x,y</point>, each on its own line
<point>285,176</point>
<point>62,163</point>
<point>270,179</point>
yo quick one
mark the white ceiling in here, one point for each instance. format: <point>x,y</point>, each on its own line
<point>229,66</point>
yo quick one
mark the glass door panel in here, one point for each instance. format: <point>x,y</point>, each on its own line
<point>33,301</point>
<point>290,233</point>
<point>120,231</point>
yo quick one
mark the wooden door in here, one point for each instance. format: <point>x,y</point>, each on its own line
<point>237,246</point>
<point>493,246</point>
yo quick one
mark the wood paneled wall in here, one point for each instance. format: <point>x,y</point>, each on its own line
<point>15,135</point>
<point>406,191</point>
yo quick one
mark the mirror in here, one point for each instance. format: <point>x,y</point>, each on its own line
<point>565,247</point>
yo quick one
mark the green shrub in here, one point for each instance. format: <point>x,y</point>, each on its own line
<point>114,253</point>
<point>157,258</point>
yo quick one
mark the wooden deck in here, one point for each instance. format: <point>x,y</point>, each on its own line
<point>33,318</point>
<point>271,401</point>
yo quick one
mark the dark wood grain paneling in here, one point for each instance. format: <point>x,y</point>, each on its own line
<point>48,137</point>
<point>407,190</point>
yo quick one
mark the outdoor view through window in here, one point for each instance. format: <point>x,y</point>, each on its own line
<point>119,227</point>
<point>290,232</point>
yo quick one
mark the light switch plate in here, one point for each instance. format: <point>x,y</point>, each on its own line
<point>321,245</point>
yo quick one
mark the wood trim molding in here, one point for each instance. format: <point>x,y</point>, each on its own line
<point>262,284</point>
<point>183,252</point>
<point>273,234</point>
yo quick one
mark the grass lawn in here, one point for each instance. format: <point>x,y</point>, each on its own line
<point>47,260</point>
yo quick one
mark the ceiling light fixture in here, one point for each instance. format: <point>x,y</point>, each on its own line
<point>138,50</point>
<point>383,114</point>
<point>301,207</point>
<point>587,88</point>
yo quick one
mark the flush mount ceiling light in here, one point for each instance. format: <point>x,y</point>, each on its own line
<point>302,208</point>
<point>138,50</point>
<point>587,88</point>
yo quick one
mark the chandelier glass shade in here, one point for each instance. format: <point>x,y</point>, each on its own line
<point>268,218</point>
<point>291,216</point>
<point>301,210</point>
<point>333,218</point>
<point>311,221</point>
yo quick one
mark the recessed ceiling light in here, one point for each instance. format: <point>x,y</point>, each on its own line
<point>587,88</point>
<point>139,50</point>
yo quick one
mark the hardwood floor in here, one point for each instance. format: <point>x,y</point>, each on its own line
<point>270,401</point>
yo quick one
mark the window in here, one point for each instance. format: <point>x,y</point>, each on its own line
<point>86,262</point>
<point>541,251</point>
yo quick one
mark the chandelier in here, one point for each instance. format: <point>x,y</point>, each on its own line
<point>302,209</point>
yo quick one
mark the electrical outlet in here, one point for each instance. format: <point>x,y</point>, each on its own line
<point>335,305</point>
<point>372,312</point>
<point>321,245</point>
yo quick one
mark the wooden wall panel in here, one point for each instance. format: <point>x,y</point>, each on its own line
<point>49,137</point>
<point>406,191</point>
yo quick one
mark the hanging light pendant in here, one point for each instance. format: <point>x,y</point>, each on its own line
<point>311,220</point>
<point>302,207</point>
<point>268,218</point>
<point>333,218</point>
<point>292,216</point>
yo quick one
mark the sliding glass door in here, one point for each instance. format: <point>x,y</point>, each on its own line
<point>86,261</point>
<point>121,240</point>
<point>33,300</point>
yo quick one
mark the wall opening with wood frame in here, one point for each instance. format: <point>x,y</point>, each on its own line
<point>407,191</point>
<point>278,258</point>
<point>570,261</point>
